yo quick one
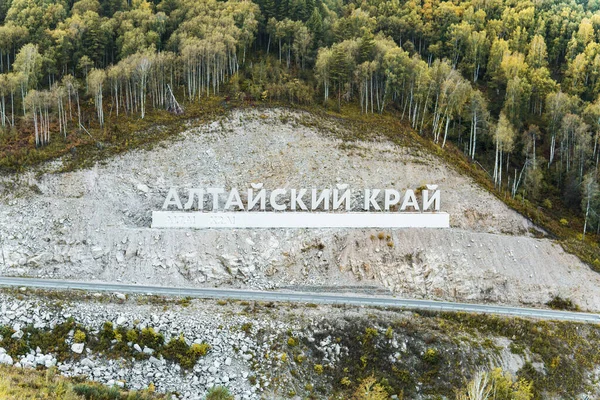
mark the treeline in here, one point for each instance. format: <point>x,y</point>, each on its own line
<point>514,84</point>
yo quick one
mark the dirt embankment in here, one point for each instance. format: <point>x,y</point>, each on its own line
<point>95,223</point>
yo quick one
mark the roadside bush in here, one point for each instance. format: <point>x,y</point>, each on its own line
<point>177,350</point>
<point>148,337</point>
<point>219,393</point>
<point>79,336</point>
<point>559,303</point>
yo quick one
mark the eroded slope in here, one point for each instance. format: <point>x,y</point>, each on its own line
<point>94,224</point>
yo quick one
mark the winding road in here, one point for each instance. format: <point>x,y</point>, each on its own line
<point>304,297</point>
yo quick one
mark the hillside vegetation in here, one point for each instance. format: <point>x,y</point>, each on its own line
<point>20,384</point>
<point>511,87</point>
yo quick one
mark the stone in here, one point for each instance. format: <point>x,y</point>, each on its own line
<point>143,188</point>
<point>228,361</point>
<point>137,348</point>
<point>97,252</point>
<point>120,296</point>
<point>18,334</point>
<point>77,347</point>
<point>148,350</point>
<point>86,362</point>
<point>121,320</point>
<point>6,359</point>
<point>155,361</point>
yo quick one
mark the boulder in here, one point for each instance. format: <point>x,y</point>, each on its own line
<point>77,347</point>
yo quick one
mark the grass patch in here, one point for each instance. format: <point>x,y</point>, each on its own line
<point>37,385</point>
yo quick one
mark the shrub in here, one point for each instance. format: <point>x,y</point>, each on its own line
<point>177,350</point>
<point>564,222</point>
<point>547,204</point>
<point>219,393</point>
<point>369,389</point>
<point>370,334</point>
<point>318,369</point>
<point>148,337</point>
<point>389,333</point>
<point>79,336</point>
<point>346,381</point>
<point>292,342</point>
<point>431,356</point>
<point>199,349</point>
<point>131,335</point>
<point>247,327</point>
<point>559,303</point>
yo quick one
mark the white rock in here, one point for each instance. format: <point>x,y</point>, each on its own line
<point>121,320</point>
<point>18,334</point>
<point>86,362</point>
<point>77,347</point>
<point>155,361</point>
<point>137,348</point>
<point>228,361</point>
<point>6,359</point>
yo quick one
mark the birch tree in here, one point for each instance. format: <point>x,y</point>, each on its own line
<point>95,81</point>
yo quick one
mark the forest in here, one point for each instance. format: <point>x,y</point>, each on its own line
<point>513,84</point>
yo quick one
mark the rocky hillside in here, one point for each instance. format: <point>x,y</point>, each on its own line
<point>279,351</point>
<point>94,224</point>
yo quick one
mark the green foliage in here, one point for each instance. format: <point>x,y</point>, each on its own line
<point>35,385</point>
<point>369,389</point>
<point>318,368</point>
<point>79,336</point>
<point>179,351</point>
<point>496,385</point>
<point>219,393</point>
<point>148,337</point>
<point>560,303</point>
<point>431,356</point>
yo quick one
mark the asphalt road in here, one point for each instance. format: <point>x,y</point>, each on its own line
<point>304,297</point>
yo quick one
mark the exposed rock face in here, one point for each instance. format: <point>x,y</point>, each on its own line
<point>95,223</point>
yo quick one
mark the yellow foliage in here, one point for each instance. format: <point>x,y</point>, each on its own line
<point>79,336</point>
<point>496,385</point>
<point>369,389</point>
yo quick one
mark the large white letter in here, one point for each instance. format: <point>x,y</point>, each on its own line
<point>261,196</point>
<point>392,197</point>
<point>234,200</point>
<point>273,199</point>
<point>337,200</point>
<point>190,201</point>
<point>172,199</point>
<point>370,199</point>
<point>323,198</point>
<point>435,198</point>
<point>215,196</point>
<point>410,200</point>
<point>296,199</point>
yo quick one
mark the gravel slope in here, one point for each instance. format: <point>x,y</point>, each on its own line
<point>94,223</point>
